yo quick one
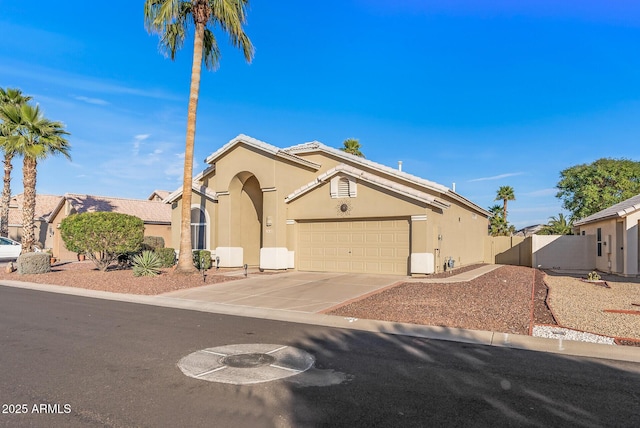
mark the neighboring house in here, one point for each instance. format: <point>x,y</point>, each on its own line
<point>529,230</point>
<point>159,195</point>
<point>616,231</point>
<point>45,204</point>
<point>316,208</point>
<point>155,214</point>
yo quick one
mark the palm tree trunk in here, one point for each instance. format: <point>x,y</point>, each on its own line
<point>504,211</point>
<point>29,204</point>
<point>6,195</point>
<point>185,259</point>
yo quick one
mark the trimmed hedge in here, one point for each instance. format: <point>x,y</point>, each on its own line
<point>152,243</point>
<point>205,256</point>
<point>167,256</point>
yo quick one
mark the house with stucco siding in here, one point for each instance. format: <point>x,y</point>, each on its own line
<point>311,207</point>
<point>616,231</point>
<point>155,214</point>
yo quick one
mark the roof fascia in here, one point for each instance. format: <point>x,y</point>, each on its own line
<point>262,146</point>
<point>204,191</point>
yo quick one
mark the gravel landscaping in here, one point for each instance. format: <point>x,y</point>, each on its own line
<point>509,299</point>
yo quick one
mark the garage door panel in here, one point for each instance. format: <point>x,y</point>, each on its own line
<point>343,252</point>
<point>373,252</point>
<point>376,246</point>
<point>357,238</point>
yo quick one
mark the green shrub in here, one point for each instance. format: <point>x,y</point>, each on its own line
<point>34,263</point>
<point>146,263</point>
<point>204,256</point>
<point>152,243</point>
<point>102,236</point>
<point>167,256</point>
<point>593,276</point>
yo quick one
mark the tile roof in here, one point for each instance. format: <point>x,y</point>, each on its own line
<point>148,211</point>
<point>45,205</point>
<point>621,209</point>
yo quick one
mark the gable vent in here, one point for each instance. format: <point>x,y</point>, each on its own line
<point>343,188</point>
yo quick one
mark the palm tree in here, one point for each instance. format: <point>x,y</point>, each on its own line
<point>170,19</point>
<point>14,97</point>
<point>352,145</point>
<point>497,224</point>
<point>505,193</point>
<point>557,226</point>
<point>34,138</point>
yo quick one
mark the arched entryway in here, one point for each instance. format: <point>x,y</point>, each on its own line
<point>246,209</point>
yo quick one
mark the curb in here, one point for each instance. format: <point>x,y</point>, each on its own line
<point>479,337</point>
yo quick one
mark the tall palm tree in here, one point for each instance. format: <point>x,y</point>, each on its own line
<point>505,193</point>
<point>352,145</point>
<point>34,138</point>
<point>10,96</point>
<point>170,19</point>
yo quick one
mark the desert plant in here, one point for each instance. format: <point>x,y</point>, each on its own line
<point>202,259</point>
<point>102,236</point>
<point>167,256</point>
<point>146,263</point>
<point>593,276</point>
<point>34,263</point>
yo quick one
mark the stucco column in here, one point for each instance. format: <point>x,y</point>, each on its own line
<point>422,261</point>
<point>228,250</point>
<point>223,220</point>
<point>274,253</point>
<point>272,226</point>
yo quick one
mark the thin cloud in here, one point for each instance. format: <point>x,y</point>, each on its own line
<point>79,82</point>
<point>542,192</point>
<point>496,177</point>
<point>88,100</point>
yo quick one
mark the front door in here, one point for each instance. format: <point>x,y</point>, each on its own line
<point>620,247</point>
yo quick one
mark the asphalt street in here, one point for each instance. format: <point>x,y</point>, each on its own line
<point>69,361</point>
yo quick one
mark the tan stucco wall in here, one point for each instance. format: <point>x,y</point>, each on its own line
<point>210,208</point>
<point>563,251</point>
<point>462,235</point>
<point>15,233</point>
<point>607,261</point>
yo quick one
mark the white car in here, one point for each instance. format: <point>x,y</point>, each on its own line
<point>9,249</point>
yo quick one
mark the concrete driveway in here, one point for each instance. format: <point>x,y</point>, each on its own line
<point>294,291</point>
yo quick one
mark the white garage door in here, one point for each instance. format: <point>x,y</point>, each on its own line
<point>367,246</point>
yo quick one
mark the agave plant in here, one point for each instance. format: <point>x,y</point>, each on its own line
<point>146,263</point>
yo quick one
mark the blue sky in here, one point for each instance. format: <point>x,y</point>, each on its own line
<point>480,93</point>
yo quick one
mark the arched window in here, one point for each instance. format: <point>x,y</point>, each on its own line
<point>198,229</point>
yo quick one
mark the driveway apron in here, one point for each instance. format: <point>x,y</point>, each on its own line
<point>294,291</point>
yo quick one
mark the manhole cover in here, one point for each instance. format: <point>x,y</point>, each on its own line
<point>246,363</point>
